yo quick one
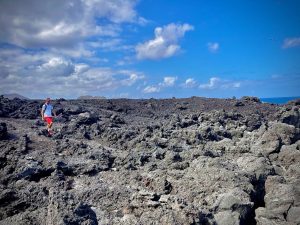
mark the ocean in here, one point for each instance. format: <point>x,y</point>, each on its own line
<point>278,100</point>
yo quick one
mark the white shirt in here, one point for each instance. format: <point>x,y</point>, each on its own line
<point>47,109</point>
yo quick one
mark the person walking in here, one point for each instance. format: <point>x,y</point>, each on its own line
<point>47,112</point>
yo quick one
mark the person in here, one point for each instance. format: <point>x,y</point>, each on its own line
<point>47,112</point>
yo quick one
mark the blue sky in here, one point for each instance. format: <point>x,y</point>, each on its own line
<point>150,48</point>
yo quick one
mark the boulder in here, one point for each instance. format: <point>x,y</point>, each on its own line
<point>286,133</point>
<point>291,117</point>
<point>73,110</point>
<point>64,209</point>
<point>233,207</point>
<point>293,215</point>
<point>280,198</point>
<point>85,119</point>
<point>227,218</point>
<point>289,154</point>
<point>272,140</point>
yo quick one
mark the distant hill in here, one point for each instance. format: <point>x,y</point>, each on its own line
<point>91,97</point>
<point>14,95</point>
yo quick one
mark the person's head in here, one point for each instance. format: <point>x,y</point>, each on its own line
<point>47,100</point>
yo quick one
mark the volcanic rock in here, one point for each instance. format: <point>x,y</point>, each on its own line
<point>3,131</point>
<point>170,161</point>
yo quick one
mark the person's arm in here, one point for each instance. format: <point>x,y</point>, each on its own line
<point>42,112</point>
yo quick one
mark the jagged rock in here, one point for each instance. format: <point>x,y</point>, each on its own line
<point>272,140</point>
<point>239,103</point>
<point>227,218</point>
<point>293,215</point>
<point>85,118</point>
<point>103,157</point>
<point>39,122</point>
<point>293,171</point>
<point>291,116</point>
<point>3,131</point>
<point>117,119</point>
<point>294,102</point>
<point>251,99</point>
<point>35,217</point>
<point>234,207</point>
<point>289,154</point>
<point>287,133</point>
<point>23,143</point>
<point>27,110</point>
<point>73,110</point>
<point>253,122</point>
<point>279,199</point>
<point>260,167</point>
<point>169,161</point>
<point>33,171</point>
<point>8,106</point>
<point>64,208</point>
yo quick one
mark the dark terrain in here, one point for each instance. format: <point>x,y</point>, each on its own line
<point>173,161</point>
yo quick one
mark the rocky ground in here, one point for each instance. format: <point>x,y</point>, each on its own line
<point>173,161</point>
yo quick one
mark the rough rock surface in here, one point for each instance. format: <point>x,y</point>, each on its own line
<point>170,161</point>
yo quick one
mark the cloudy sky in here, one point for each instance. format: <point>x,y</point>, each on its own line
<point>150,48</point>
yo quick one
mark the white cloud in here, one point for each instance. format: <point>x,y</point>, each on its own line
<point>133,77</point>
<point>213,82</point>
<point>213,47</point>
<point>41,74</point>
<point>291,42</point>
<point>62,24</point>
<point>189,83</point>
<point>165,43</point>
<point>78,51</point>
<point>81,68</point>
<point>218,83</point>
<point>236,84</point>
<point>111,44</point>
<point>151,89</point>
<point>142,21</point>
<point>168,81</point>
<point>57,67</point>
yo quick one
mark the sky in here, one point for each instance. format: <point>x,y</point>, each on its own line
<point>150,48</point>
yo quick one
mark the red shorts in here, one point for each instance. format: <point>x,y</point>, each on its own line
<point>48,120</point>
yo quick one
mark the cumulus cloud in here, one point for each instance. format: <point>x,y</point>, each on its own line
<point>190,83</point>
<point>291,42</point>
<point>52,46</point>
<point>168,81</point>
<point>218,83</point>
<point>165,43</point>
<point>213,82</point>
<point>62,24</point>
<point>131,79</point>
<point>47,74</point>
<point>213,47</point>
<point>57,67</point>
<point>151,89</point>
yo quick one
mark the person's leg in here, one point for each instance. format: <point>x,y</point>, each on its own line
<point>49,123</point>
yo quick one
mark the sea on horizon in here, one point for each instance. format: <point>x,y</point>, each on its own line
<point>278,100</point>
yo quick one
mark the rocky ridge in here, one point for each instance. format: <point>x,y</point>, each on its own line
<point>170,161</point>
